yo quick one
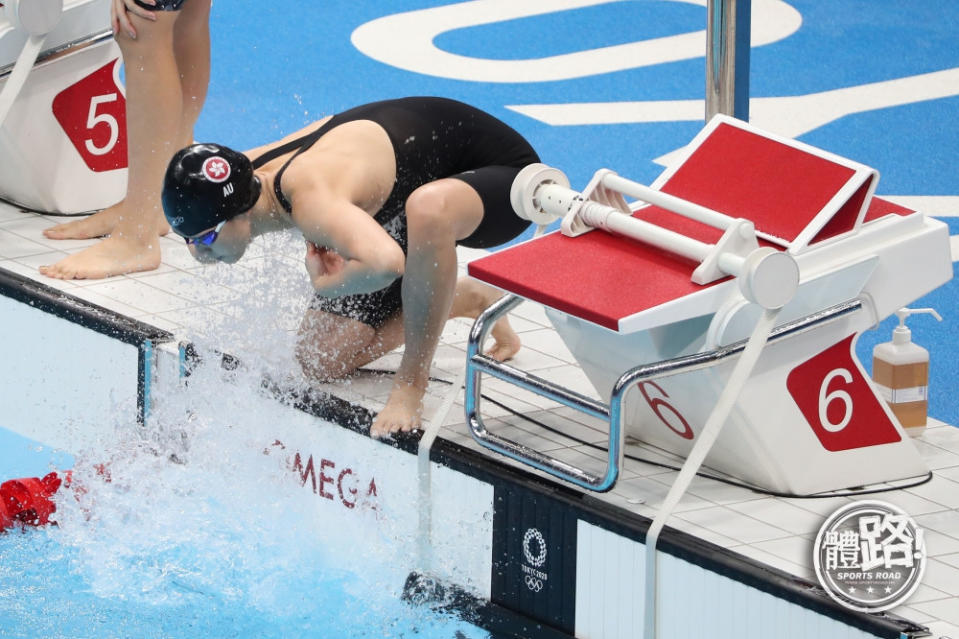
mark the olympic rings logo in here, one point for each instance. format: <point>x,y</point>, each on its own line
<point>533,583</point>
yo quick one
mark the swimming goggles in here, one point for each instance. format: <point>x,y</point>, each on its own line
<point>208,238</point>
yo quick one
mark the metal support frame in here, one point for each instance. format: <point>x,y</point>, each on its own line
<point>477,364</point>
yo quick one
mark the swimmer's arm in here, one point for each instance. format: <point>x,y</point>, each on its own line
<point>371,259</point>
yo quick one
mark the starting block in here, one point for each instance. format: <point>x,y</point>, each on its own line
<point>62,106</point>
<point>657,298</point>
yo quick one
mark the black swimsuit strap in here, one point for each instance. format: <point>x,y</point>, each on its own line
<point>301,143</point>
<point>280,150</point>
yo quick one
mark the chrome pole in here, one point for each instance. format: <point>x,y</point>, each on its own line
<point>727,58</point>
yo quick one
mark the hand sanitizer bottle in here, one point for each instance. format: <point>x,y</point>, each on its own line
<point>900,372</point>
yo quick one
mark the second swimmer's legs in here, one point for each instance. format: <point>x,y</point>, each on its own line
<point>167,69</point>
<point>191,48</point>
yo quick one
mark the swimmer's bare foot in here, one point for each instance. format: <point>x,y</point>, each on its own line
<point>403,412</point>
<point>112,256</point>
<point>98,224</point>
<point>506,342</point>
<point>472,298</point>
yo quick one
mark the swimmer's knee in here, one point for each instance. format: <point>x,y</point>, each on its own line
<point>314,366</point>
<point>444,209</point>
<point>428,201</point>
<point>327,345</point>
<point>474,294</point>
<point>429,215</point>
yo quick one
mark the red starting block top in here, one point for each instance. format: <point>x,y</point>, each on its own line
<point>795,195</point>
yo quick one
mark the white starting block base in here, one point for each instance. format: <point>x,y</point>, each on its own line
<point>63,142</point>
<point>765,443</point>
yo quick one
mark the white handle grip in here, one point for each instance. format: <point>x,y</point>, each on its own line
<point>766,276</point>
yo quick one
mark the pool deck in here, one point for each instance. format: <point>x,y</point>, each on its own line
<point>190,300</point>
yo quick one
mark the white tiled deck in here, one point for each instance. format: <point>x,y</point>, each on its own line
<point>252,310</point>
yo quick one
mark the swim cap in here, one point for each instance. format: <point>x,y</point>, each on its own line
<point>206,184</point>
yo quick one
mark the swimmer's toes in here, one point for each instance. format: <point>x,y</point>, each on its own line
<point>503,351</point>
<point>76,230</point>
<point>51,270</point>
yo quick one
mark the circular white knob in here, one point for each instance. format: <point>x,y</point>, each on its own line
<point>522,195</point>
<point>769,277</point>
<point>36,17</point>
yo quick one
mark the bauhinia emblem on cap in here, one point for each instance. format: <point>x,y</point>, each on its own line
<point>216,169</point>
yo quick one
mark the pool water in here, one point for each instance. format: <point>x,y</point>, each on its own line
<point>49,589</point>
<point>213,545</point>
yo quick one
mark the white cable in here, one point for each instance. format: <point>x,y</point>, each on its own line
<point>714,424</point>
<point>18,76</point>
<point>425,496</point>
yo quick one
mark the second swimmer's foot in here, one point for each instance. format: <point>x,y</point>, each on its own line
<point>98,224</point>
<point>112,256</point>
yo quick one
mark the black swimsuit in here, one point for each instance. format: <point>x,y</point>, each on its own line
<point>162,5</point>
<point>432,138</point>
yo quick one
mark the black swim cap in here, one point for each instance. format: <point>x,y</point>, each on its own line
<point>206,184</point>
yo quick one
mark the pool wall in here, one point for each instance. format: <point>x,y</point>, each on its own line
<point>70,369</point>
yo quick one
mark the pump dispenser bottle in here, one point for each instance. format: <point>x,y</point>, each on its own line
<point>900,370</point>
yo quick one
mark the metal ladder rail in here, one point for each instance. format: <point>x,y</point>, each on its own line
<point>477,364</point>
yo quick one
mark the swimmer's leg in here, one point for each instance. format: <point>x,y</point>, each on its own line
<point>438,214</point>
<point>191,48</point>
<point>332,346</point>
<point>472,297</point>
<point>160,108</point>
